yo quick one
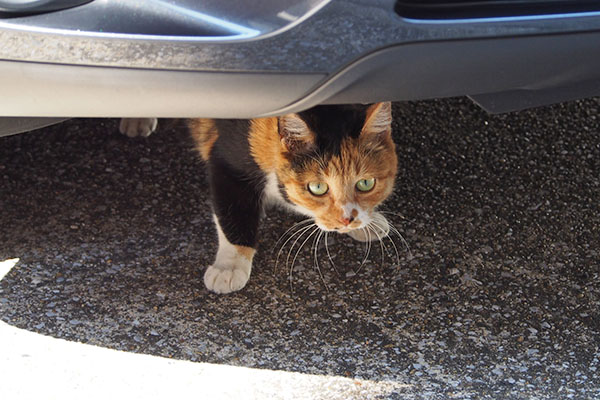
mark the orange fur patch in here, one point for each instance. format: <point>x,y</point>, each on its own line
<point>205,134</point>
<point>265,144</point>
<point>245,251</point>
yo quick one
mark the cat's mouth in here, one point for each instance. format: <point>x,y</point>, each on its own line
<point>346,229</point>
<point>365,228</point>
<point>356,224</point>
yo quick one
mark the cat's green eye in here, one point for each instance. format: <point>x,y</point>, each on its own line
<point>364,185</point>
<point>318,188</point>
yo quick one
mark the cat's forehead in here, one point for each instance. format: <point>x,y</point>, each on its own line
<point>345,165</point>
<point>331,124</point>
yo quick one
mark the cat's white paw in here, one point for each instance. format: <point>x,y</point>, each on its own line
<point>134,127</point>
<point>226,279</point>
<point>376,230</point>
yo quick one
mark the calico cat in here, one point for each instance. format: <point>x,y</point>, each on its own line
<point>334,164</point>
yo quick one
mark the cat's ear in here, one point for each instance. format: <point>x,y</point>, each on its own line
<point>379,120</point>
<point>295,135</point>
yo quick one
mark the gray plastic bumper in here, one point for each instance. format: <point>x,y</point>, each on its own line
<point>308,53</point>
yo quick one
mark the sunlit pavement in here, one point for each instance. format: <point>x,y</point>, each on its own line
<point>495,294</point>
<point>34,366</point>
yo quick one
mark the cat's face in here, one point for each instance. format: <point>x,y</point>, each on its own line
<point>341,167</point>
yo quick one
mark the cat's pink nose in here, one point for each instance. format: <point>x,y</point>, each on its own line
<point>346,221</point>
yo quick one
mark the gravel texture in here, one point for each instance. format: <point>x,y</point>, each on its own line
<point>494,294</point>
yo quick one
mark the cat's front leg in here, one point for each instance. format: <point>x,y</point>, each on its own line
<point>232,266</point>
<point>237,207</point>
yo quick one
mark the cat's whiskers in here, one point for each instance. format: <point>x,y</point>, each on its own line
<point>381,244</point>
<point>394,213</point>
<point>296,225</point>
<point>366,230</point>
<point>316,228</point>
<point>300,232</point>
<point>397,232</point>
<point>315,246</point>
<point>297,235</point>
<point>328,254</point>
<point>376,225</point>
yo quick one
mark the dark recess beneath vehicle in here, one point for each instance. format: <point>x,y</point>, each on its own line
<point>459,9</point>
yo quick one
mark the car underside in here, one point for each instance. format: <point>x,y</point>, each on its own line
<point>234,59</point>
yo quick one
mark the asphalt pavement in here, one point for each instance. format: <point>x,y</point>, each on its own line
<point>493,290</point>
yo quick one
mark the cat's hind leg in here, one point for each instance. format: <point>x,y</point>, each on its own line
<point>134,127</point>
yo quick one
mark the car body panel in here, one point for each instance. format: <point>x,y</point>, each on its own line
<point>327,52</point>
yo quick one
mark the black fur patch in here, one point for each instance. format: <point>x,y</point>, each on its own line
<point>236,183</point>
<point>332,124</point>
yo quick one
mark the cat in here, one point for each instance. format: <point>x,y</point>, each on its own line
<point>334,164</point>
